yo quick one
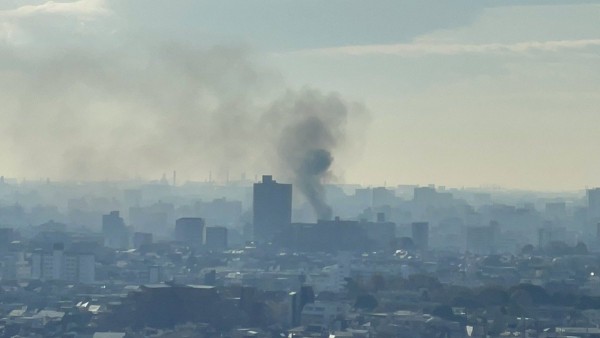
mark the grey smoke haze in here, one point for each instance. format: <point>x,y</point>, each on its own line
<point>314,126</point>
<point>95,115</point>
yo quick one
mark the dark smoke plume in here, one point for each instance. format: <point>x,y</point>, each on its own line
<point>83,114</point>
<point>309,178</point>
<point>314,125</point>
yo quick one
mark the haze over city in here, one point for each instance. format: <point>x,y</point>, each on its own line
<point>299,168</point>
<point>458,94</point>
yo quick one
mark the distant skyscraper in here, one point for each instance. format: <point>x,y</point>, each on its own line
<point>114,231</point>
<point>6,236</point>
<point>593,196</point>
<point>272,208</point>
<point>190,230</point>
<point>420,235</point>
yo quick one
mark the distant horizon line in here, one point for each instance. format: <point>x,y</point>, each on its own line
<point>219,182</point>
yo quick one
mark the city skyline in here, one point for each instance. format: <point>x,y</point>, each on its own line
<point>299,168</point>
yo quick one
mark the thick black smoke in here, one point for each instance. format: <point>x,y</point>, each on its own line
<point>313,128</point>
<point>309,178</point>
<point>97,115</point>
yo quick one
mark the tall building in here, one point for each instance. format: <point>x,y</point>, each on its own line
<point>190,230</point>
<point>115,233</point>
<point>6,236</point>
<point>420,235</point>
<point>63,265</point>
<point>298,300</point>
<point>272,206</point>
<point>593,196</point>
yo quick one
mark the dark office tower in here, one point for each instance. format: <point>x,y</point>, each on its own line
<point>115,233</point>
<point>298,300</point>
<point>593,196</point>
<point>272,208</point>
<point>216,238</point>
<point>420,235</point>
<point>6,237</point>
<point>190,230</point>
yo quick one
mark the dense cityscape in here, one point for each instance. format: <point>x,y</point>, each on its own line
<point>299,169</point>
<point>244,259</point>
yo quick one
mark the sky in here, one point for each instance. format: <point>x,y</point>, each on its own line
<point>457,93</point>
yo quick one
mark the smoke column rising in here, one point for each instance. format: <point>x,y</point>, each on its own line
<point>314,127</point>
<point>96,115</point>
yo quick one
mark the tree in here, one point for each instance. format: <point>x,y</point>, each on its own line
<point>537,294</point>
<point>527,249</point>
<point>491,296</point>
<point>366,302</point>
<point>520,301</point>
<point>557,248</point>
<point>377,282</point>
<point>467,300</point>
<point>422,281</point>
<point>355,287</point>
<point>580,249</point>
<point>443,311</point>
<point>405,243</point>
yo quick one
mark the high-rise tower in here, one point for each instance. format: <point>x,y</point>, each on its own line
<point>272,205</point>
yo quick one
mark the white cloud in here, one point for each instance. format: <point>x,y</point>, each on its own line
<point>80,8</point>
<point>518,85</point>
<point>52,22</point>
<point>427,47</point>
<point>505,30</point>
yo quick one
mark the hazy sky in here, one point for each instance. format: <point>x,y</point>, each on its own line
<point>460,93</point>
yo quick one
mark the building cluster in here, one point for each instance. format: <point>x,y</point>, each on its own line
<point>151,259</point>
